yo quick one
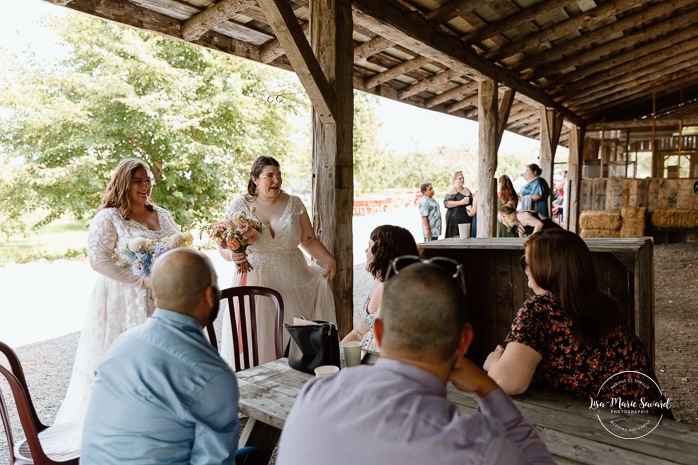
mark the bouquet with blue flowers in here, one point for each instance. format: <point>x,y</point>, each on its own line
<point>140,253</point>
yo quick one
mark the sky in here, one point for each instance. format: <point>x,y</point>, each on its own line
<point>403,128</point>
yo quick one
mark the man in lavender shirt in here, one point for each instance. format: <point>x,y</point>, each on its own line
<point>397,412</point>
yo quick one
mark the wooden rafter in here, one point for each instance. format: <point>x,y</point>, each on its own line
<point>197,25</point>
<point>290,35</point>
<point>273,49</point>
<point>559,30</point>
<point>456,92</point>
<point>592,40</point>
<point>418,35</point>
<point>370,48</point>
<point>470,101</point>
<point>508,22</point>
<point>436,80</point>
<point>450,10</point>
<point>403,68</point>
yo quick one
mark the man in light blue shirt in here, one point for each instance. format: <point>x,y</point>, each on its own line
<point>162,393</point>
<point>397,412</point>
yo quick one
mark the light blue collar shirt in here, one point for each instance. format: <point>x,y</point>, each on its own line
<point>162,395</point>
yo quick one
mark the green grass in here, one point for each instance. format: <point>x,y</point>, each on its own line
<point>64,238</point>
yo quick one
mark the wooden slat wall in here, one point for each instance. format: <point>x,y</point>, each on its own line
<point>614,193</point>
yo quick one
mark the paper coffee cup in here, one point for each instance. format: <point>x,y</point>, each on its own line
<point>352,353</point>
<point>464,230</point>
<point>326,370</point>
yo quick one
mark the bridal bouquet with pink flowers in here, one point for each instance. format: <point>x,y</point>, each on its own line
<point>236,233</point>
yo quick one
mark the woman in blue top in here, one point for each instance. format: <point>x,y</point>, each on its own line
<point>534,195</point>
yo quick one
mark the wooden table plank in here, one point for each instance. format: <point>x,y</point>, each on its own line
<point>571,431</point>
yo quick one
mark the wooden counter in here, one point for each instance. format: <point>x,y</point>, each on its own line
<point>497,286</point>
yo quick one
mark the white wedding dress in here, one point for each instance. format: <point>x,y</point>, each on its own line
<point>117,302</point>
<point>279,264</point>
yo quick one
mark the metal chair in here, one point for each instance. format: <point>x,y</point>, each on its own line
<point>245,337</point>
<point>44,445</point>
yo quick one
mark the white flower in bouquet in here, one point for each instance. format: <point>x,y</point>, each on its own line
<point>173,241</point>
<point>137,244</point>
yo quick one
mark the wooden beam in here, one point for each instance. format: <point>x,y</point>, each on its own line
<point>686,20</point>
<point>487,159</point>
<point>434,81</point>
<point>664,44</point>
<point>450,10</point>
<point>610,8</point>
<point>289,33</point>
<point>273,49</point>
<point>630,74</point>
<point>504,24</point>
<point>131,14</point>
<point>574,173</point>
<point>414,33</point>
<point>470,101</point>
<point>550,129</point>
<point>333,165</point>
<point>503,117</point>
<point>197,25</point>
<point>403,68</point>
<point>596,41</point>
<point>456,92</point>
<point>371,47</point>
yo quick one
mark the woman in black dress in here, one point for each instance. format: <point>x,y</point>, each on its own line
<point>456,199</point>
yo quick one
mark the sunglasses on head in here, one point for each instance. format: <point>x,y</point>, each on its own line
<point>454,268</point>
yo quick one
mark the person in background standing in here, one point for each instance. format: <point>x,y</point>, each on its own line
<point>534,195</point>
<point>431,213</point>
<point>457,198</point>
<point>506,197</point>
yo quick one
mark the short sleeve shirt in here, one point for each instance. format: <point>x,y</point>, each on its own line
<point>430,208</point>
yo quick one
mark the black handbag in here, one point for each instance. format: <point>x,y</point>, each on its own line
<point>312,345</point>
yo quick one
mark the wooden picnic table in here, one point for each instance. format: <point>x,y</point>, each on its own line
<point>568,427</point>
<point>497,286</point>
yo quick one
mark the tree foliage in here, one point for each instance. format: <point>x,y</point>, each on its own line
<point>197,117</point>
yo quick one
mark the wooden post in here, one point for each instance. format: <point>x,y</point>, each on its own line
<point>550,129</point>
<point>333,182</point>
<point>575,178</point>
<point>487,158</point>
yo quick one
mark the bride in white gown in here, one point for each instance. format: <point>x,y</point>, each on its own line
<point>277,261</point>
<point>119,300</point>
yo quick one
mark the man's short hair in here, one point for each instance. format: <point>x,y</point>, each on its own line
<point>179,278</point>
<point>424,186</point>
<point>423,312</point>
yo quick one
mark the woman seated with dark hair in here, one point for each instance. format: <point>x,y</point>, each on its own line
<point>525,222</point>
<point>385,243</point>
<point>569,337</point>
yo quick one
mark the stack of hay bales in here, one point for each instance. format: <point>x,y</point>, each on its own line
<point>675,218</point>
<point>634,221</point>
<point>600,223</point>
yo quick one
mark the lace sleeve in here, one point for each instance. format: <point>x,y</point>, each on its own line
<point>297,205</point>
<point>237,205</point>
<point>101,242</point>
<point>171,224</point>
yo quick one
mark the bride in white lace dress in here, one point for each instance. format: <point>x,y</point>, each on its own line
<point>277,261</point>
<point>119,300</point>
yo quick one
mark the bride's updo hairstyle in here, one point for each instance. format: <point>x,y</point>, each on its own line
<point>257,167</point>
<point>117,194</point>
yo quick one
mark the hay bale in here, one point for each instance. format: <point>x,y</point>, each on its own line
<point>675,218</point>
<point>600,219</point>
<point>599,233</point>
<point>634,221</point>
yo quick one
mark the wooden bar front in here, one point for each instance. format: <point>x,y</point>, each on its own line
<point>497,286</point>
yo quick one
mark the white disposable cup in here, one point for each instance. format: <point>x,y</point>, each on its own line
<point>352,353</point>
<point>464,230</point>
<point>326,370</point>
